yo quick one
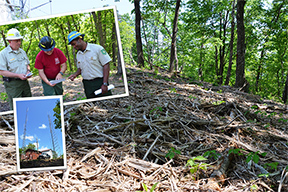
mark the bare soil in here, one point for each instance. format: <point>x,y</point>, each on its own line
<point>41,163</point>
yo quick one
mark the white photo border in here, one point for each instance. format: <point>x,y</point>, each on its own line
<point>15,100</point>
<point>118,43</point>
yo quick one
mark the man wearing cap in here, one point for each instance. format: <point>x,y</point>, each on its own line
<point>51,65</point>
<point>14,67</point>
<point>93,65</point>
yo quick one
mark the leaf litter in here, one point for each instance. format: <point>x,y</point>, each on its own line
<point>120,144</point>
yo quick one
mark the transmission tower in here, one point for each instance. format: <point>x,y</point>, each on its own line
<point>54,140</point>
<point>21,9</point>
<point>24,133</point>
<point>37,144</point>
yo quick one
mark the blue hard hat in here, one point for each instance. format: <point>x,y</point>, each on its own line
<point>73,35</point>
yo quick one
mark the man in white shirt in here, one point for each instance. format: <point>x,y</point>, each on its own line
<point>14,67</point>
<point>93,65</point>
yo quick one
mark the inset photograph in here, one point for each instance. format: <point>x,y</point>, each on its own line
<point>39,133</point>
<point>77,55</point>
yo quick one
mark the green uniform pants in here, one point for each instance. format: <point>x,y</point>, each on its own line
<point>48,90</point>
<point>17,88</point>
<point>90,86</point>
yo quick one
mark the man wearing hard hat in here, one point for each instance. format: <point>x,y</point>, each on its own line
<point>93,65</point>
<point>51,64</point>
<point>14,67</point>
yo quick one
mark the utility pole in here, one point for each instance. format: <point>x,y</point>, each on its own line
<point>24,134</point>
<point>37,143</point>
<point>54,140</point>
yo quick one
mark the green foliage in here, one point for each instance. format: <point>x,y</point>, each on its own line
<point>3,96</point>
<point>129,108</point>
<point>55,155</point>
<point>195,166</point>
<point>57,115</point>
<point>58,28</point>
<point>264,175</point>
<point>72,114</point>
<point>254,107</point>
<point>236,151</point>
<point>272,165</point>
<point>29,146</point>
<point>254,187</point>
<point>146,188</point>
<point>81,98</point>
<point>192,97</point>
<point>172,90</point>
<point>156,109</point>
<point>212,153</point>
<point>254,156</point>
<point>172,152</point>
<point>283,120</point>
<point>203,36</point>
<point>218,102</point>
<point>66,96</point>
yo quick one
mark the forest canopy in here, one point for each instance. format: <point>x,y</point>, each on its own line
<point>207,38</point>
<point>98,27</point>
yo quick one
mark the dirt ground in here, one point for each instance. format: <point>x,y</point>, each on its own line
<point>73,90</point>
<point>41,163</point>
<point>176,134</point>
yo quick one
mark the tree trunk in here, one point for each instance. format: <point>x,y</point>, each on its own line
<point>98,25</point>
<point>138,33</point>
<point>104,27</point>
<point>216,61</point>
<point>200,70</point>
<point>76,25</point>
<point>73,50</point>
<point>114,45</point>
<point>148,47</point>
<point>119,66</point>
<point>39,35</point>
<point>47,29</point>
<point>30,42</point>
<point>240,61</point>
<point>173,54</point>
<point>259,70</point>
<point>231,45</point>
<point>66,47</point>
<point>285,92</point>
<point>4,38</point>
<point>222,48</point>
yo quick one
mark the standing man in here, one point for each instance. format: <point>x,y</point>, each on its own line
<point>93,65</point>
<point>51,65</point>
<point>14,67</point>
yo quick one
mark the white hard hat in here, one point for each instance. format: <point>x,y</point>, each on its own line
<point>13,34</point>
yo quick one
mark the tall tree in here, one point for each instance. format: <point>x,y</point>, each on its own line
<point>240,60</point>
<point>222,49</point>
<point>138,33</point>
<point>173,53</point>
<point>231,44</point>
<point>98,25</point>
<point>57,115</point>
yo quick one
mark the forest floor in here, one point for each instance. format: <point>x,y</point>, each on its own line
<point>73,90</point>
<point>159,135</point>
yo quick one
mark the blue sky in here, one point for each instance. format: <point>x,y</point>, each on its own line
<point>37,122</point>
<point>64,6</point>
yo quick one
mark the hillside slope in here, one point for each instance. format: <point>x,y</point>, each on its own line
<point>149,136</point>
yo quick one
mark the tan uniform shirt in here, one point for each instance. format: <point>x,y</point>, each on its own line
<point>92,60</point>
<point>15,61</point>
